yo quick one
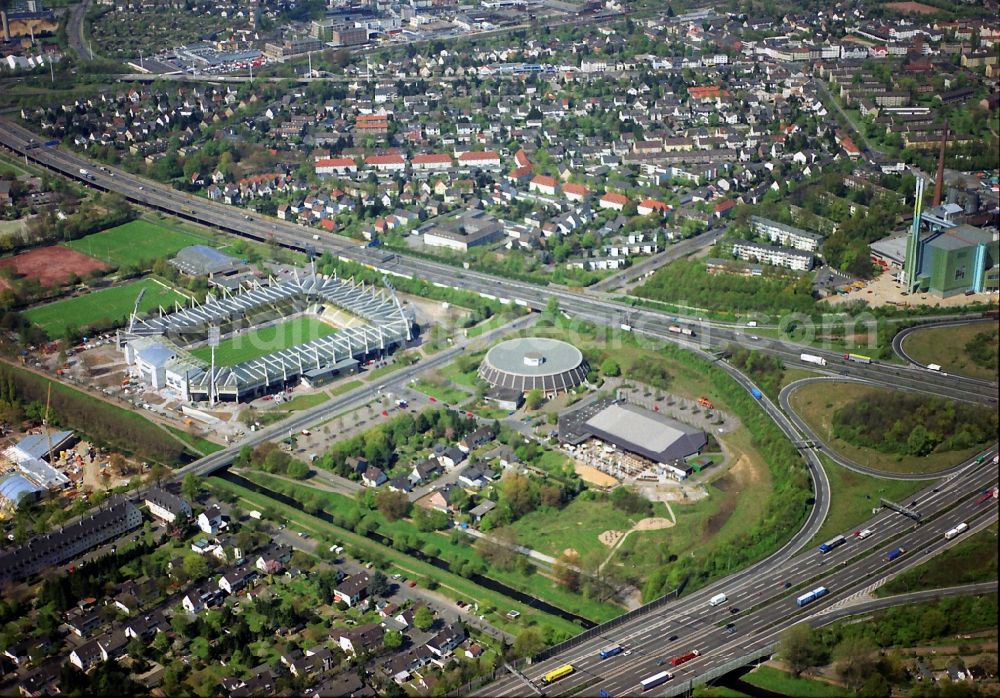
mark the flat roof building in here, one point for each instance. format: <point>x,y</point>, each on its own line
<point>530,363</point>
<point>470,229</point>
<point>646,433</point>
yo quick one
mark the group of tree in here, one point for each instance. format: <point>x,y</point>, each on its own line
<point>861,653</point>
<point>982,348</point>
<point>766,371</point>
<point>105,424</point>
<point>687,282</point>
<point>913,425</point>
<point>380,446</point>
<point>271,458</point>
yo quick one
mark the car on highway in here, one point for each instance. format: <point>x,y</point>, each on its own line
<point>731,627</point>
<point>734,609</point>
<point>672,638</point>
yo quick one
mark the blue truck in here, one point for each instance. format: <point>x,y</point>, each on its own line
<point>893,554</point>
<point>831,544</point>
<point>611,651</point>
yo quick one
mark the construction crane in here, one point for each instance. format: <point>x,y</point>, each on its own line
<point>45,421</point>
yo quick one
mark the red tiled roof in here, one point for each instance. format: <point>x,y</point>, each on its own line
<point>429,158</point>
<point>336,162</point>
<point>544,181</point>
<point>613,198</point>
<point>384,160</point>
<point>478,156</point>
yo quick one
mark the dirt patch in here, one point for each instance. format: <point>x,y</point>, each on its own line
<point>52,266</point>
<point>609,538</point>
<point>654,523</point>
<point>884,290</point>
<point>594,476</point>
<point>914,8</point>
<point>570,553</point>
<point>732,484</point>
<point>744,472</point>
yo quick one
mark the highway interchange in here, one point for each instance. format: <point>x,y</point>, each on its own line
<point>759,586</point>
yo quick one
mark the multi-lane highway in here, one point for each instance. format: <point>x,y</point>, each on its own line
<point>759,588</point>
<point>764,598</point>
<point>712,336</point>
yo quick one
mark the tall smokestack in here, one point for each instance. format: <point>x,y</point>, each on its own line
<point>939,180</point>
<point>6,25</point>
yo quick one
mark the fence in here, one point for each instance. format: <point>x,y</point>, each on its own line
<point>685,688</point>
<point>605,627</point>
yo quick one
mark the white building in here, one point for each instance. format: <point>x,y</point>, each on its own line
<point>786,235</point>
<point>787,257</point>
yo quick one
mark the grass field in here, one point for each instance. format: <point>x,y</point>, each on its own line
<point>575,526</point>
<point>305,402</point>
<point>945,346</point>
<point>266,340</point>
<point>973,560</point>
<point>777,681</point>
<point>203,446</point>
<point>853,495</point>
<point>817,402</point>
<point>345,387</point>
<point>442,391</point>
<point>106,305</point>
<point>138,242</point>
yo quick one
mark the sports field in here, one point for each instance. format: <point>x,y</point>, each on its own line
<point>137,242</point>
<point>266,340</point>
<point>102,306</point>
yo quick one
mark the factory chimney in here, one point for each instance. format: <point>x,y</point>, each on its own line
<point>6,25</point>
<point>939,179</point>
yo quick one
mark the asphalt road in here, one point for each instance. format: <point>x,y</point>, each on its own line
<point>766,606</point>
<point>899,340</point>
<point>74,29</point>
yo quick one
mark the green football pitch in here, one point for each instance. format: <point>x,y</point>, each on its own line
<point>257,343</point>
<point>135,243</point>
<point>102,307</point>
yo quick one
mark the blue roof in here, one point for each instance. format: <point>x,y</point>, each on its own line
<point>14,487</point>
<point>156,355</point>
<point>37,445</point>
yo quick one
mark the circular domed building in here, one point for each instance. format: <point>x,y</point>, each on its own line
<point>527,363</point>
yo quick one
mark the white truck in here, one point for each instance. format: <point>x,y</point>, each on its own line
<point>813,359</point>
<point>718,600</point>
<point>959,529</point>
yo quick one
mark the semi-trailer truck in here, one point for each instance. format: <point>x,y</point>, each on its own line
<point>958,530</point>
<point>813,359</point>
<point>677,329</point>
<point>811,596</point>
<point>717,600</point>
<point>655,680</point>
<point>687,657</point>
<point>857,358</point>
<point>893,554</point>
<point>611,651</point>
<point>831,544</point>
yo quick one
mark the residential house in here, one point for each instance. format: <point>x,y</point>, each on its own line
<point>353,590</point>
<point>145,626</point>
<point>210,520</point>
<point>451,457</point>
<point>475,439</point>
<point>474,476</point>
<point>238,579</point>
<point>87,655</point>
<point>450,637</point>
<point>615,202</point>
<point>361,640</point>
<point>425,471</point>
<point>166,506</point>
<point>402,665</point>
<point>373,476</point>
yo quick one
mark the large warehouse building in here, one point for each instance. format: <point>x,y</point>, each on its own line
<point>529,363</point>
<point>653,437</point>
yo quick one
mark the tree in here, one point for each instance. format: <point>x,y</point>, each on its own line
<point>392,505</point>
<point>297,469</point>
<point>378,585</point>
<point>528,643</point>
<point>855,660</point>
<point>566,570</point>
<point>518,493</point>
<point>423,618</point>
<point>798,647</point>
<point>499,548</point>
<point>195,566</point>
<point>392,640</point>
<point>534,399</point>
<point>610,368</point>
<point>190,486</point>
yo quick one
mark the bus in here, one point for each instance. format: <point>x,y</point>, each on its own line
<point>556,674</point>
<point>831,544</point>
<point>858,358</point>
<point>610,651</point>
<point>655,680</point>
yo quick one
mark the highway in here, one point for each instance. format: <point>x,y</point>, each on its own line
<point>899,339</point>
<point>711,336</point>
<point>689,618</point>
<point>765,598</point>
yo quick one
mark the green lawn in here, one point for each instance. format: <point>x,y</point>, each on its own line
<point>771,679</point>
<point>203,446</point>
<point>266,340</point>
<point>452,585</point>
<point>487,325</point>
<point>705,691</point>
<point>441,391</point>
<point>576,526</point>
<point>102,307</point>
<point>946,346</point>
<point>973,560</point>
<point>305,402</point>
<point>853,495</point>
<point>816,403</point>
<point>345,387</point>
<point>138,242</point>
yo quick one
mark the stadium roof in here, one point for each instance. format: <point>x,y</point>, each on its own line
<point>647,433</point>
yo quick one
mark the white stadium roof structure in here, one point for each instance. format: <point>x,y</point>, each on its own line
<point>384,325</point>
